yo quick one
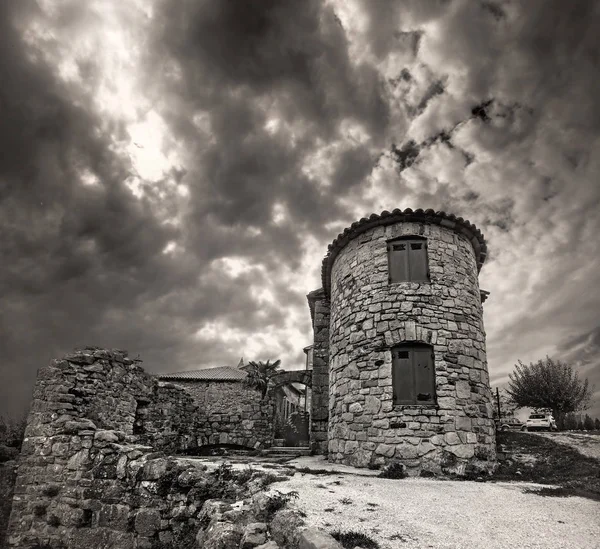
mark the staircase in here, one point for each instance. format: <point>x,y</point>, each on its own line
<point>288,451</point>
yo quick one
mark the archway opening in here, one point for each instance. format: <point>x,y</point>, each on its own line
<point>291,395</point>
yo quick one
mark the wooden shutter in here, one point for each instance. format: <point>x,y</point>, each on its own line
<point>424,370</point>
<point>417,253</point>
<point>403,376</point>
<point>398,261</point>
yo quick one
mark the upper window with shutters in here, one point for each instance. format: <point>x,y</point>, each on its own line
<point>407,260</point>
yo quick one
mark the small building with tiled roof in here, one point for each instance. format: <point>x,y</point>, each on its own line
<point>218,373</point>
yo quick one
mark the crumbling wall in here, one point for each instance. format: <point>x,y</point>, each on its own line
<point>168,420</point>
<point>89,474</point>
<point>230,412</point>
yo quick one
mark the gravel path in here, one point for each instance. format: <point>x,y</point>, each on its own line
<point>428,513</point>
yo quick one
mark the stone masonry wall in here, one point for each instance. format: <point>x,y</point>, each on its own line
<point>369,316</point>
<point>89,474</point>
<point>320,376</point>
<point>231,413</point>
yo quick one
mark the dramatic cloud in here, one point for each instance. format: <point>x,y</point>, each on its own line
<point>173,170</point>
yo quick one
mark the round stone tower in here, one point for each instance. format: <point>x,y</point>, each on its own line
<point>408,375</point>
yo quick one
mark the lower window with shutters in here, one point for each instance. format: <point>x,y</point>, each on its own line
<point>413,374</point>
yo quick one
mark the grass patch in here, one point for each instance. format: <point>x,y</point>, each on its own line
<point>316,471</point>
<point>555,464</point>
<point>279,501</point>
<point>351,539</point>
<point>551,492</point>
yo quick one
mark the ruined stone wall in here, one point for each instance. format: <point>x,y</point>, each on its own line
<point>231,413</point>
<point>369,316</point>
<point>169,420</point>
<point>83,405</point>
<point>89,474</point>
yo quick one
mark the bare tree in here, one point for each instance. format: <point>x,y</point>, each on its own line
<point>549,384</point>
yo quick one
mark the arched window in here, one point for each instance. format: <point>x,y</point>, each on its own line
<point>407,259</point>
<point>413,374</point>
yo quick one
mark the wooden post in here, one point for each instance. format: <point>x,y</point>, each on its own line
<point>498,401</point>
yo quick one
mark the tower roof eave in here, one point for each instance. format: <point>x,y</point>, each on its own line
<point>442,218</point>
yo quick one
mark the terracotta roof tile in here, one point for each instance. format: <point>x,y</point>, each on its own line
<point>220,373</point>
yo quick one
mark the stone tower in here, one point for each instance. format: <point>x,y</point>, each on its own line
<point>399,335</point>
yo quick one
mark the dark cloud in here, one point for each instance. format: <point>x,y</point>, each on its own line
<point>285,122</point>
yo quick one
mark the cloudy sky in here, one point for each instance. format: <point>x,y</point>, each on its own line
<point>171,171</point>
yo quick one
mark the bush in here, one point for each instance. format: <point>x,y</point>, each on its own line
<point>295,430</point>
<point>279,500</point>
<point>394,470</point>
<point>352,539</point>
<point>12,431</point>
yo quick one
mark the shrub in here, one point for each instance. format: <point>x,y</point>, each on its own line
<point>279,500</point>
<point>243,476</point>
<point>395,470</point>
<point>351,539</point>
<point>12,431</point>
<point>225,471</point>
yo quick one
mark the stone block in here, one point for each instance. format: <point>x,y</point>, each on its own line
<point>462,423</point>
<point>355,408</point>
<point>314,538</point>
<point>219,535</point>
<point>350,447</point>
<point>462,450</point>
<point>463,389</point>
<point>254,534</point>
<point>372,404</point>
<point>451,438</point>
<point>386,450</point>
<point>407,451</point>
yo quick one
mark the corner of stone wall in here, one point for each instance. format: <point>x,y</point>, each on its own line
<point>83,478</point>
<point>320,376</point>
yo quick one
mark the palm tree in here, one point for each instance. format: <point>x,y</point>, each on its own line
<point>259,374</point>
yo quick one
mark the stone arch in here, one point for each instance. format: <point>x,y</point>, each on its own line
<point>293,376</point>
<point>411,332</point>
<point>303,377</point>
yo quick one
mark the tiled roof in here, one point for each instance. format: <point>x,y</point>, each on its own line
<point>220,373</point>
<point>458,224</point>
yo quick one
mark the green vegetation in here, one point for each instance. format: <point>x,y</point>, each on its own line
<point>394,470</point>
<point>555,463</point>
<point>259,374</point>
<point>551,385</point>
<point>351,539</point>
<point>12,431</point>
<point>279,501</point>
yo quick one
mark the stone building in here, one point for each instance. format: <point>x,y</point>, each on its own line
<point>399,359</point>
<point>236,413</point>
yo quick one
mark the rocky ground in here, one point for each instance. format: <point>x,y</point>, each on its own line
<point>431,513</point>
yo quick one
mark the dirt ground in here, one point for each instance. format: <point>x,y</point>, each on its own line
<point>417,513</point>
<point>426,513</point>
<point>586,443</point>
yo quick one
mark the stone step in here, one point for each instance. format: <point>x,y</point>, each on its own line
<point>289,450</point>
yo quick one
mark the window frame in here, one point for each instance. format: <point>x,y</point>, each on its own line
<point>411,347</point>
<point>408,239</point>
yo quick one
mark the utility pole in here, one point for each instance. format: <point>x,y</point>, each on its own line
<point>498,402</point>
